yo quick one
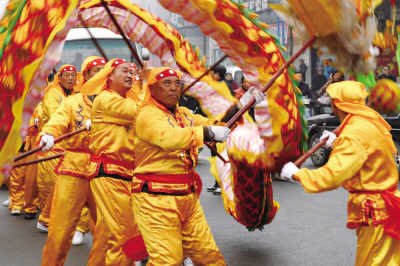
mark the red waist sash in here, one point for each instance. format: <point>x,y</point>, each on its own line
<point>392,203</point>
<point>189,179</point>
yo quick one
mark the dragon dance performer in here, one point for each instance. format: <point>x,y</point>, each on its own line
<point>30,185</point>
<point>22,184</point>
<point>72,188</point>
<point>112,147</point>
<point>362,161</point>
<point>63,85</point>
<point>166,187</point>
<point>16,188</point>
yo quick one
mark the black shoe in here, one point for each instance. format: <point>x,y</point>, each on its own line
<point>211,189</point>
<point>29,216</point>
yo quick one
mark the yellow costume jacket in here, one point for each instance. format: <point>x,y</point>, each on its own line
<point>112,134</point>
<point>53,97</point>
<point>363,165</point>
<point>70,116</point>
<point>33,130</point>
<point>166,145</point>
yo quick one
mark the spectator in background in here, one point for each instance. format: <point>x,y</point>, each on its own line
<point>318,80</point>
<point>386,74</point>
<point>240,91</point>
<point>232,85</point>
<point>302,69</point>
<point>305,89</point>
<point>329,69</point>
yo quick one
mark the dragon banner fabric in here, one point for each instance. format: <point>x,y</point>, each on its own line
<point>27,30</point>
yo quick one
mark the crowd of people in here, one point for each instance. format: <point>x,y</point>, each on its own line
<point>316,99</point>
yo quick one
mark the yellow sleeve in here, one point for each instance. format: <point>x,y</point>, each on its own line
<point>153,127</point>
<point>114,109</point>
<point>51,101</point>
<point>199,120</point>
<point>345,160</point>
<point>59,121</point>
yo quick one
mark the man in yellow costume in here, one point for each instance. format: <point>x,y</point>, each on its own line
<point>72,189</point>
<point>22,184</point>
<point>16,188</point>
<point>30,190</point>
<point>112,147</point>
<point>55,93</point>
<point>362,161</point>
<point>166,187</point>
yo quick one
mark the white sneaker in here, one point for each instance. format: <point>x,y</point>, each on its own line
<point>6,202</point>
<point>42,228</point>
<point>78,238</point>
<point>217,191</point>
<point>188,262</point>
<point>15,212</point>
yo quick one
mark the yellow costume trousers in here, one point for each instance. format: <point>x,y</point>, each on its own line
<point>114,213</point>
<point>376,248</point>
<point>70,196</point>
<point>31,191</point>
<point>16,188</point>
<point>174,227</point>
<point>45,181</point>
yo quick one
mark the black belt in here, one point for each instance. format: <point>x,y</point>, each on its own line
<point>102,173</point>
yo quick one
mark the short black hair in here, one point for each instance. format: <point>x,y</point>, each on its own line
<point>221,70</point>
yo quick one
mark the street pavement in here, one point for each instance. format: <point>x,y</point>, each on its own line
<point>309,230</point>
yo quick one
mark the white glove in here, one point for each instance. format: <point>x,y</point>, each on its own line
<point>288,170</point>
<point>88,124</point>
<point>331,138</point>
<point>219,133</point>
<point>36,122</point>
<point>47,142</point>
<point>250,94</point>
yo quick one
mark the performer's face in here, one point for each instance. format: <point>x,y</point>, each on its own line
<point>121,78</point>
<point>89,74</point>
<point>167,91</point>
<point>67,79</point>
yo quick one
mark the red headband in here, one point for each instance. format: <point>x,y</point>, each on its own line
<point>96,62</point>
<point>167,73</point>
<point>68,68</point>
<point>117,62</point>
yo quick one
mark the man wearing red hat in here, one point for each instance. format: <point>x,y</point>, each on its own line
<point>166,187</point>
<point>63,86</point>
<point>112,160</point>
<point>72,189</point>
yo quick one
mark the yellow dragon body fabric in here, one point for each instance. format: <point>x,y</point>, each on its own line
<point>254,149</point>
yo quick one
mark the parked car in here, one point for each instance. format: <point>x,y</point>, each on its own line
<point>318,123</point>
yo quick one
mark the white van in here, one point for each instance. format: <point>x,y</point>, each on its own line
<point>79,45</point>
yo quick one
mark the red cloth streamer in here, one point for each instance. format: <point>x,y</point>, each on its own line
<point>135,248</point>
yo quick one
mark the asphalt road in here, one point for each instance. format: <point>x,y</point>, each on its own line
<point>308,230</point>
